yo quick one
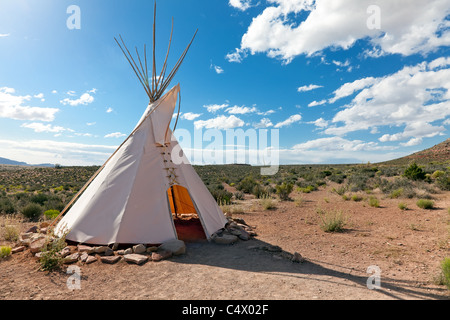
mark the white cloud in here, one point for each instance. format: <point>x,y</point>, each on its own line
<point>190,116</point>
<point>289,121</point>
<point>109,110</point>
<point>40,127</point>
<point>84,99</point>
<point>321,123</point>
<point>407,27</point>
<point>54,91</point>
<point>12,107</point>
<point>414,97</point>
<point>266,113</point>
<point>349,88</point>
<point>317,103</point>
<point>90,123</point>
<point>217,69</point>
<point>237,56</point>
<point>240,4</point>
<point>39,96</point>
<point>220,122</point>
<point>339,144</point>
<point>240,110</point>
<point>115,135</point>
<point>263,123</point>
<point>215,107</point>
<point>308,88</point>
<point>4,35</point>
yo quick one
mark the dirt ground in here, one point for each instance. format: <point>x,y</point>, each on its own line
<point>406,247</point>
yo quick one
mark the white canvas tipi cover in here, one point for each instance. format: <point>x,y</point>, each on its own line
<point>128,202</point>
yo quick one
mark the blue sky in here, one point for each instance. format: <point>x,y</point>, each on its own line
<point>343,81</point>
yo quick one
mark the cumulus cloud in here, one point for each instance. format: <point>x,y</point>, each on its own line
<point>220,122</point>
<point>13,106</point>
<point>263,123</point>
<point>240,110</point>
<point>292,119</point>
<point>190,116</point>
<point>321,123</point>
<point>115,135</point>
<point>308,88</point>
<point>40,127</point>
<point>317,103</point>
<point>84,99</point>
<point>406,27</point>
<point>240,4</point>
<point>215,107</point>
<point>415,98</point>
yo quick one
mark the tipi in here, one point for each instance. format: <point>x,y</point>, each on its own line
<point>140,195</point>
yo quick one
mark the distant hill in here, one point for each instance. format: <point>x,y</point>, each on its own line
<point>19,163</point>
<point>438,153</point>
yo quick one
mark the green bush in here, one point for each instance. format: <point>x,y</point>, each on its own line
<point>51,214</point>
<point>32,211</point>
<point>331,221</point>
<point>246,185</point>
<point>50,258</point>
<point>414,172</point>
<point>445,267</point>
<point>7,206</point>
<point>402,206</point>
<point>425,204</point>
<point>5,251</point>
<point>283,190</point>
<point>356,197</point>
<point>374,202</point>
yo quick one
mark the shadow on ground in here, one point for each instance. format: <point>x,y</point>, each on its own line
<point>253,256</point>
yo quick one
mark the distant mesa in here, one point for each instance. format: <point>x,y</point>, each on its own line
<point>5,161</point>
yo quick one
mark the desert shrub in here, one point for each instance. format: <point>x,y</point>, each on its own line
<point>374,202</point>
<point>32,211</point>
<point>443,181</point>
<point>247,184</point>
<point>51,214</point>
<point>283,190</point>
<point>239,195</point>
<point>356,197</point>
<point>50,258</point>
<point>267,204</point>
<point>338,178</point>
<point>39,198</point>
<point>445,268</point>
<point>396,193</point>
<point>5,251</point>
<point>7,206</point>
<point>307,189</point>
<point>414,172</point>
<point>10,233</point>
<point>340,191</point>
<point>437,174</point>
<point>221,196</point>
<point>402,206</point>
<point>425,204</point>
<point>331,221</point>
<point>260,191</point>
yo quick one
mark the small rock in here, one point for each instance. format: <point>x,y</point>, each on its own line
<point>110,259</point>
<point>44,224</point>
<point>38,255</point>
<point>17,249</point>
<point>297,257</point>
<point>72,258</point>
<point>84,248</point>
<point>65,252</point>
<point>84,256</point>
<point>33,229</point>
<point>43,230</point>
<point>175,246</point>
<point>160,255</point>
<point>114,246</point>
<point>26,235</point>
<point>135,258</point>
<point>272,248</point>
<point>139,248</point>
<point>37,245</point>
<point>90,259</point>
<point>128,251</point>
<point>120,252</point>
<point>100,249</point>
<point>151,249</point>
<point>108,252</point>
<point>225,239</point>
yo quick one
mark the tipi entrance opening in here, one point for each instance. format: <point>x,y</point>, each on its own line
<point>186,220</point>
